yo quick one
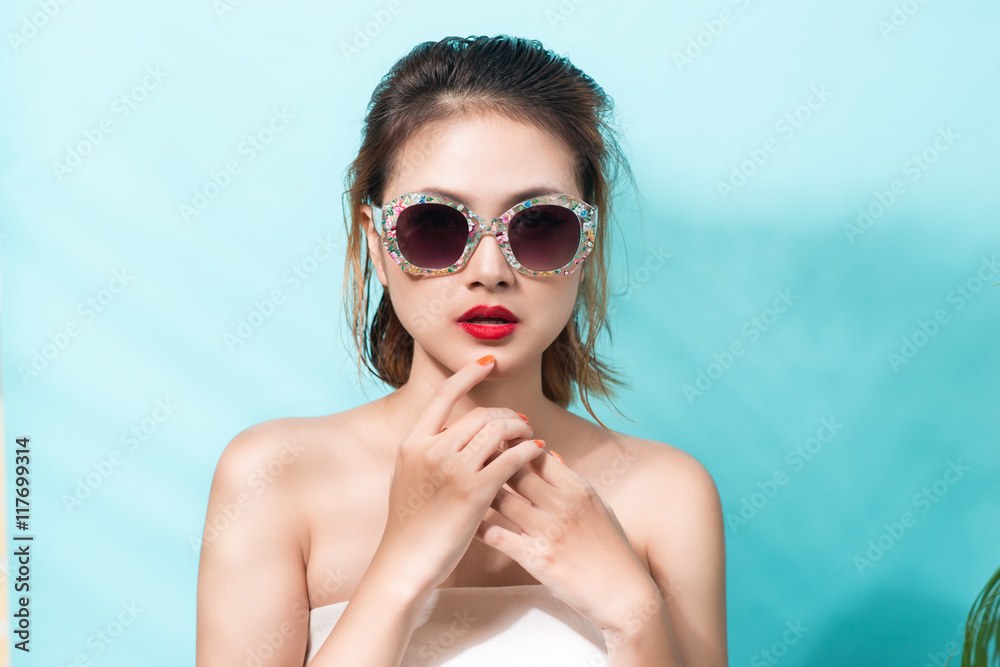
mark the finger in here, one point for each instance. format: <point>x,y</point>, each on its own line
<point>446,394</point>
<point>504,446</point>
<point>515,509</point>
<point>469,425</point>
<point>530,484</point>
<point>510,461</point>
<point>554,470</point>
<point>505,541</point>
<point>490,438</point>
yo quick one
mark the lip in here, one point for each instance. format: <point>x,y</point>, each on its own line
<point>488,331</point>
<point>483,310</point>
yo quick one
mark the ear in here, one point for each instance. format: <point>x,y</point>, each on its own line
<point>375,248</point>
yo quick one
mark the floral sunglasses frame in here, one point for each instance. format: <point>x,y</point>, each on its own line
<point>385,218</point>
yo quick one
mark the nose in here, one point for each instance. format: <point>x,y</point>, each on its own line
<point>488,265</point>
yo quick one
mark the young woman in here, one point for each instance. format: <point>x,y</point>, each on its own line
<point>438,525</point>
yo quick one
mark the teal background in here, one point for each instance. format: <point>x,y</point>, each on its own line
<point>791,561</point>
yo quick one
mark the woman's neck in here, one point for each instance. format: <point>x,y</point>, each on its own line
<point>518,390</point>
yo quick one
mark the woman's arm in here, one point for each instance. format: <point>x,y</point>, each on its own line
<point>252,594</point>
<point>687,556</point>
<point>571,541</point>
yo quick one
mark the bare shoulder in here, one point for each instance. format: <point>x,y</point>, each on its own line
<point>270,463</point>
<point>265,455</point>
<point>252,568</point>
<point>260,444</point>
<point>637,474</point>
<point>290,447</point>
<point>649,468</point>
<point>252,481</point>
<point>670,464</point>
<point>290,443</point>
<point>683,542</point>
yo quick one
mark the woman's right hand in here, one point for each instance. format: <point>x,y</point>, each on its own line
<point>445,480</point>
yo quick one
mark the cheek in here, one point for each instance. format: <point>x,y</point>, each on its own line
<point>421,305</point>
<point>553,305</point>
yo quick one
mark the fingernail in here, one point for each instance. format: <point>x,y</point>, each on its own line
<point>488,359</point>
<point>553,453</point>
<point>522,416</point>
<point>540,443</point>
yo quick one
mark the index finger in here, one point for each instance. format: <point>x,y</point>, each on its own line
<point>447,393</point>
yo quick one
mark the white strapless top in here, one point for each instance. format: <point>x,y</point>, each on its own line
<point>487,627</point>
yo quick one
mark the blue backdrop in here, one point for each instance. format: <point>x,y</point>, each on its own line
<point>805,290</point>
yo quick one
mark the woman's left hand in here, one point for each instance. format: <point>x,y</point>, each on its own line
<point>572,543</point>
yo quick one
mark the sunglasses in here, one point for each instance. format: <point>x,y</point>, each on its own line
<point>433,235</point>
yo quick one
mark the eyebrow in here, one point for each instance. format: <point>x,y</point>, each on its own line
<point>537,191</point>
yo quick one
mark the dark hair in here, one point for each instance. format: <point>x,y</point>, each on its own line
<point>519,79</point>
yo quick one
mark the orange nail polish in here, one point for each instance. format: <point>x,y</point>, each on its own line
<point>540,443</point>
<point>522,416</point>
<point>488,359</point>
<point>553,453</point>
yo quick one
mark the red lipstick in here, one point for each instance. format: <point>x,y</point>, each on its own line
<point>488,322</point>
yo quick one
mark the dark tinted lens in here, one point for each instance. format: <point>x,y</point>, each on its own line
<point>431,236</point>
<point>544,237</point>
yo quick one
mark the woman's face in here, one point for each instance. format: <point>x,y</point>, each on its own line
<point>486,161</point>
